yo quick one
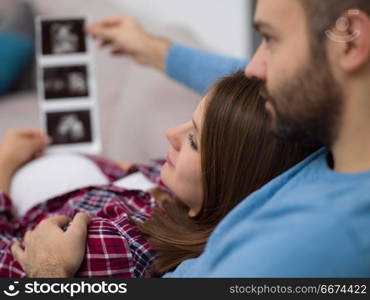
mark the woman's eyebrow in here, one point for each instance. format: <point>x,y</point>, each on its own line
<point>195,125</point>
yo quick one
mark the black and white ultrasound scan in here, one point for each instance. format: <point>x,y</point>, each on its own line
<point>69,127</point>
<point>65,82</point>
<point>63,37</point>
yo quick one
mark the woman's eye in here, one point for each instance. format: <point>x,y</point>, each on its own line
<point>192,142</point>
<point>268,39</point>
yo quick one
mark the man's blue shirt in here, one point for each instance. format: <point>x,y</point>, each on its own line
<point>308,222</point>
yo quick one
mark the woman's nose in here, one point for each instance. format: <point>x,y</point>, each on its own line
<point>173,135</point>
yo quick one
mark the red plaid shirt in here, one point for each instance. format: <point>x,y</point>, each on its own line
<point>115,248</point>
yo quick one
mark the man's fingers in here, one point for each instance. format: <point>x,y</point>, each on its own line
<point>96,28</point>
<point>102,32</point>
<point>118,52</point>
<point>60,221</point>
<point>79,224</point>
<point>104,43</point>
<point>18,253</point>
<point>26,237</point>
<point>110,21</point>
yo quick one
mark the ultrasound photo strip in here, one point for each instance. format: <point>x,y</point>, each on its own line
<point>70,127</point>
<point>65,36</point>
<point>66,85</point>
<point>60,82</point>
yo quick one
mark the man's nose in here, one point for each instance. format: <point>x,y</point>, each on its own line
<point>257,67</point>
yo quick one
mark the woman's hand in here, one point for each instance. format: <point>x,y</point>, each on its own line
<point>125,165</point>
<point>126,36</point>
<point>18,147</point>
<point>51,252</point>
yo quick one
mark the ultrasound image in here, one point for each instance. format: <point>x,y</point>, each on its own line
<point>69,127</point>
<point>65,82</point>
<point>63,37</point>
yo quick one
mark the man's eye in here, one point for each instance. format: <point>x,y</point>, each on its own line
<point>192,142</point>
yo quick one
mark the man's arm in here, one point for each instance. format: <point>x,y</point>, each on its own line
<point>196,69</point>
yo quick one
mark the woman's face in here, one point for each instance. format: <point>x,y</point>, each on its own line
<point>182,171</point>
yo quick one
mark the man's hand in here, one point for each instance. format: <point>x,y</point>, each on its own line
<point>18,147</point>
<point>49,251</point>
<point>126,36</point>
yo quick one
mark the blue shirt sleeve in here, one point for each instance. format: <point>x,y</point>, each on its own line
<point>198,69</point>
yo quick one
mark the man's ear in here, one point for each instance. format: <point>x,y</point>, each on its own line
<point>354,53</point>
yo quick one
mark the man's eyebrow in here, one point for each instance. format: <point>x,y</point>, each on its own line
<point>260,25</point>
<point>195,125</point>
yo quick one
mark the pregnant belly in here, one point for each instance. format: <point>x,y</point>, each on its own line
<point>50,176</point>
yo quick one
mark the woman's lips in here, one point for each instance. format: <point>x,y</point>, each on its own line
<point>169,161</point>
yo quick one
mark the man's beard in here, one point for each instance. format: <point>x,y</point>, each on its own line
<point>307,108</point>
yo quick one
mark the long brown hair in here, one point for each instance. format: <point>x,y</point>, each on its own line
<point>238,155</point>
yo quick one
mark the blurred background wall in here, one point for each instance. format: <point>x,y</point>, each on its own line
<point>220,24</point>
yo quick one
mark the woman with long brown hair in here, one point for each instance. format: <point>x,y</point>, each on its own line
<point>225,153</point>
<point>237,155</point>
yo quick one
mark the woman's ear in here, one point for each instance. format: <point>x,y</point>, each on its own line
<point>192,213</point>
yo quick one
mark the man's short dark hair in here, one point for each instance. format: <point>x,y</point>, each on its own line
<point>323,14</point>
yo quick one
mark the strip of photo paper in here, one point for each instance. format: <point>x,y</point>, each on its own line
<point>66,85</point>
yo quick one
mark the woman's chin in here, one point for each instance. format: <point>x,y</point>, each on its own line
<point>166,178</point>
<point>164,173</point>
